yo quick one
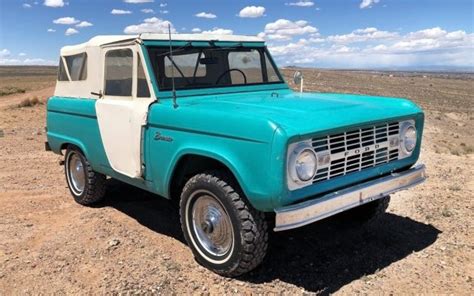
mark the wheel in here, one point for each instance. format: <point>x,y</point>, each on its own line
<point>226,234</point>
<point>86,186</point>
<point>368,213</point>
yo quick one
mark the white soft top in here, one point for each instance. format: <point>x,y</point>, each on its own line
<point>102,40</point>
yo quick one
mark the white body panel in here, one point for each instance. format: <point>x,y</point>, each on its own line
<point>120,125</point>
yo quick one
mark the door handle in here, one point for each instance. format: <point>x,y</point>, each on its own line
<point>99,94</point>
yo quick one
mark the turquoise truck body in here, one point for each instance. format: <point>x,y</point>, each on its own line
<point>246,128</point>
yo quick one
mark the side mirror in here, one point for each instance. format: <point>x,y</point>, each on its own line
<point>298,79</point>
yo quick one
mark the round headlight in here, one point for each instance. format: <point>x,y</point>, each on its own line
<point>409,138</point>
<point>305,164</point>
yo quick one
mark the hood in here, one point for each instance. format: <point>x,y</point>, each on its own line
<point>307,113</point>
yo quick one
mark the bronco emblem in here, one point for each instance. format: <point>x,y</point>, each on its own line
<point>159,137</point>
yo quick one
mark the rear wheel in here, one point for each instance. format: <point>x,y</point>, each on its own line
<point>86,186</point>
<point>226,234</point>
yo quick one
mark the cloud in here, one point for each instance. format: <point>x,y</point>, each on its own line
<point>84,24</point>
<point>164,11</point>
<point>53,3</point>
<point>252,11</point>
<point>51,30</point>
<point>26,5</point>
<point>163,5</point>
<point>138,1</point>
<point>207,15</point>
<point>147,10</point>
<point>302,3</point>
<point>71,31</point>
<point>196,30</point>
<point>22,54</point>
<point>283,29</point>
<point>4,53</point>
<point>362,35</point>
<point>428,41</point>
<point>427,47</point>
<point>66,21</point>
<point>218,31</point>
<point>120,11</point>
<point>28,61</point>
<point>368,3</point>
<point>150,25</point>
<point>432,33</point>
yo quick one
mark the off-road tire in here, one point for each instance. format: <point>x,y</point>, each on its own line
<point>369,213</point>
<point>95,183</point>
<point>250,230</point>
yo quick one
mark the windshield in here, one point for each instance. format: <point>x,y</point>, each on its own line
<point>198,67</point>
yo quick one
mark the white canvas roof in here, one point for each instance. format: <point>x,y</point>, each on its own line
<point>108,39</point>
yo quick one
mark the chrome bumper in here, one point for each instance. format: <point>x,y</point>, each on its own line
<point>317,209</point>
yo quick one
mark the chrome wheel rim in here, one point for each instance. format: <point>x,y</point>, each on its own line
<point>212,225</point>
<point>76,173</point>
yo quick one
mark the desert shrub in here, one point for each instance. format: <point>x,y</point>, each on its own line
<point>469,149</point>
<point>8,90</point>
<point>29,102</point>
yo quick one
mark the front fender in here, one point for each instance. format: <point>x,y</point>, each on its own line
<point>249,161</point>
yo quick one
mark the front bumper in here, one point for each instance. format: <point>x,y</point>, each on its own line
<point>310,211</point>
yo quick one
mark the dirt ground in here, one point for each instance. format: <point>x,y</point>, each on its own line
<point>131,243</point>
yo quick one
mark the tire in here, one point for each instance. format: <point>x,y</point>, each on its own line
<point>368,213</point>
<point>86,186</point>
<point>225,233</point>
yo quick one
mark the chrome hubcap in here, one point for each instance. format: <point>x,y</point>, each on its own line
<point>212,225</point>
<point>76,173</point>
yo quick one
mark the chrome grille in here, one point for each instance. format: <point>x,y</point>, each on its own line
<point>355,150</point>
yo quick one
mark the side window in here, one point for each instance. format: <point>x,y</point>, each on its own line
<point>142,84</point>
<point>185,65</point>
<point>62,75</point>
<point>77,66</point>
<point>249,63</point>
<point>118,72</point>
<point>271,73</point>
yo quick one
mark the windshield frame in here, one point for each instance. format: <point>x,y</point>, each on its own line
<point>213,89</point>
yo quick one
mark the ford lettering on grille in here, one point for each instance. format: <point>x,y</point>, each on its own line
<point>355,150</point>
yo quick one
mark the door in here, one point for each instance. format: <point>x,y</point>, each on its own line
<point>123,109</point>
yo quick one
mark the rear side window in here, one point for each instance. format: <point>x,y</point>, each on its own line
<point>77,66</point>
<point>119,72</point>
<point>62,75</point>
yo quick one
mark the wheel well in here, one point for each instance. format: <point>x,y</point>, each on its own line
<point>65,146</point>
<point>190,165</point>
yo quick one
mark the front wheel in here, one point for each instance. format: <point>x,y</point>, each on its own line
<point>226,234</point>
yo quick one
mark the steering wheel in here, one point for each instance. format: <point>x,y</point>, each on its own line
<point>230,70</point>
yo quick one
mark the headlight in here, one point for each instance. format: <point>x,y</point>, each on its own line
<point>408,137</point>
<point>302,164</point>
<point>305,165</point>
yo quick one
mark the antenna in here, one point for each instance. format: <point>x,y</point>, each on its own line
<point>175,105</point>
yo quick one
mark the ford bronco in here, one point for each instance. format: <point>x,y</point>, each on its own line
<point>208,121</point>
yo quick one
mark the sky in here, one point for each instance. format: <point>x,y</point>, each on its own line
<point>366,34</point>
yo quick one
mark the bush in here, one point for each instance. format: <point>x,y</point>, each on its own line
<point>30,102</point>
<point>8,90</point>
